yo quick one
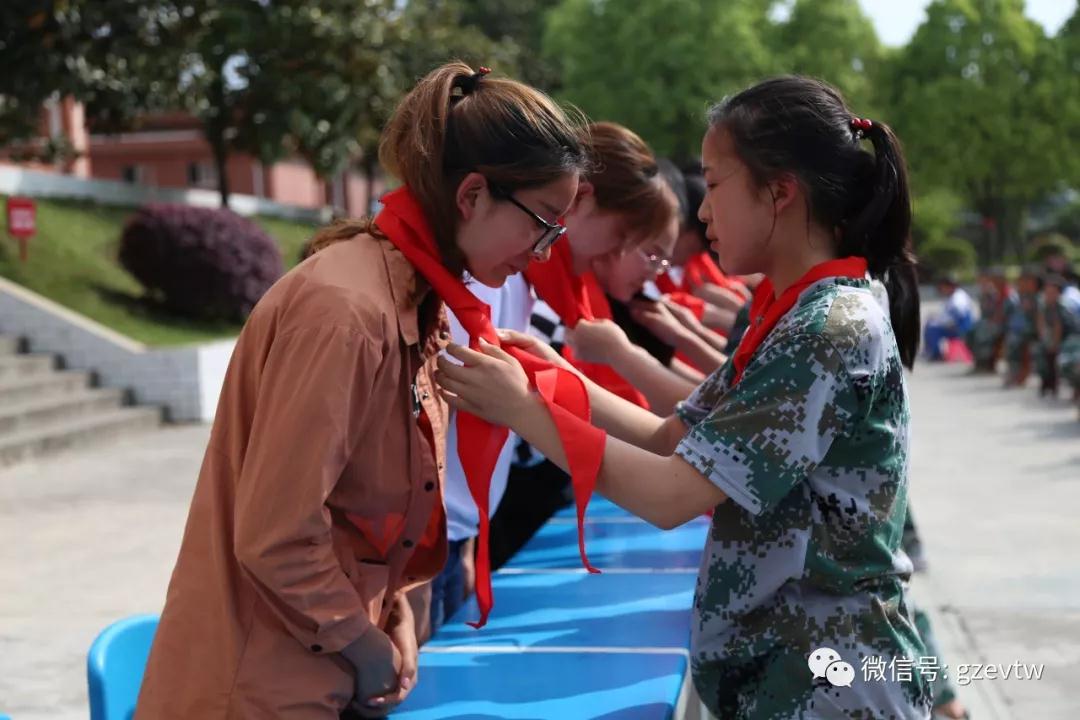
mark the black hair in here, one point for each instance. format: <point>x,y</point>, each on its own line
<point>695,195</point>
<point>1058,281</point>
<point>802,126</point>
<point>673,176</point>
<point>1034,273</point>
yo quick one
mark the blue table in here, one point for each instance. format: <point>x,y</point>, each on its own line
<point>545,686</point>
<point>615,545</point>
<point>639,610</point>
<point>598,508</point>
<point>565,644</point>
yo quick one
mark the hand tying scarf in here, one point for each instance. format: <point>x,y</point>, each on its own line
<point>698,271</point>
<point>479,442</point>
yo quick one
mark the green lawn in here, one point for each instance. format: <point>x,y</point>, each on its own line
<point>73,262</point>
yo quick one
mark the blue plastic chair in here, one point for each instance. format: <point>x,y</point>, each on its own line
<point>115,666</point>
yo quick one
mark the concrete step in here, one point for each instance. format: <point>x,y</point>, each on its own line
<point>39,412</point>
<point>15,366</point>
<point>40,387</point>
<point>77,432</point>
<point>8,345</point>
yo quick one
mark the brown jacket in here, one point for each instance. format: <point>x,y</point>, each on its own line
<point>319,429</point>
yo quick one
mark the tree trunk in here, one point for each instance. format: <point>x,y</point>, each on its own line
<point>370,163</point>
<point>215,128</point>
<point>221,157</point>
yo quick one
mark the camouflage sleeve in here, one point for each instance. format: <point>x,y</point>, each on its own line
<point>772,429</point>
<point>697,407</point>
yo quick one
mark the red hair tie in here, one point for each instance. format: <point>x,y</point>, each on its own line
<point>861,124</point>
<point>483,70</point>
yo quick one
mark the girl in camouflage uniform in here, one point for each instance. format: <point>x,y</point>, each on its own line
<point>1055,324</point>
<point>1020,329</point>
<point>799,443</point>
<point>987,336</point>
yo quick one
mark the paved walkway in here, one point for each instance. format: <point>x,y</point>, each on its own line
<point>85,539</point>
<point>91,537</point>
<point>996,492</point>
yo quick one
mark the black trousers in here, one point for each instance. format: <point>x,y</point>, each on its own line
<point>533,494</point>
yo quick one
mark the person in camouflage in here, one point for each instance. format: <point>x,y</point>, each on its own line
<point>811,445</point>
<point>1055,323</point>
<point>1020,329</point>
<point>799,443</point>
<point>986,338</point>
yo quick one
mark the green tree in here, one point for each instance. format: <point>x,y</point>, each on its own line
<point>516,24</point>
<point>656,68</point>
<point>267,78</point>
<point>33,53</point>
<point>1067,45</point>
<point>426,34</point>
<point>973,97</point>
<point>936,215</point>
<point>289,76</point>
<point>833,40</point>
<point>311,76</point>
<point>90,50</point>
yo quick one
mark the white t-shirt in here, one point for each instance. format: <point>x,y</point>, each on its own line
<point>1070,296</point>
<point>511,306</point>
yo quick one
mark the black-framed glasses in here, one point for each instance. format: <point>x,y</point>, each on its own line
<point>552,231</point>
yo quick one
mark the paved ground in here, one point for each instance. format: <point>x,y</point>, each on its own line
<point>996,492</point>
<point>84,540</point>
<point>92,537</point>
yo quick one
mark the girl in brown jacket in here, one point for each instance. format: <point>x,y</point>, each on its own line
<point>319,502</point>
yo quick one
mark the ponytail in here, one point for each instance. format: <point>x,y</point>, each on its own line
<point>881,232</point>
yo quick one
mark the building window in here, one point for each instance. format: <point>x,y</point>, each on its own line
<point>201,175</point>
<point>132,174</point>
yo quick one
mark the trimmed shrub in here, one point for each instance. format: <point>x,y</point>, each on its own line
<point>1044,246</point>
<point>948,256</point>
<point>202,263</point>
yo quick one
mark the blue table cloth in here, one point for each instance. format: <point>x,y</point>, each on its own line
<point>639,610</point>
<point>621,545</point>
<point>545,686</point>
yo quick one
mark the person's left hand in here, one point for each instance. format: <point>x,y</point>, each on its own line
<point>597,341</point>
<point>658,318</point>
<point>682,313</point>
<point>491,384</point>
<point>401,629</point>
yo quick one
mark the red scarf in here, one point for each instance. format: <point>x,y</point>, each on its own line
<point>575,298</point>
<point>479,442</point>
<point>767,309</point>
<point>681,296</point>
<point>677,295</point>
<point>697,271</point>
<point>702,269</point>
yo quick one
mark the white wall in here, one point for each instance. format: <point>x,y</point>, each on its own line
<point>185,380</point>
<point>34,183</point>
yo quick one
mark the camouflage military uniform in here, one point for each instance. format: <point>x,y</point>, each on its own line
<point>811,448</point>
<point>987,334</point>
